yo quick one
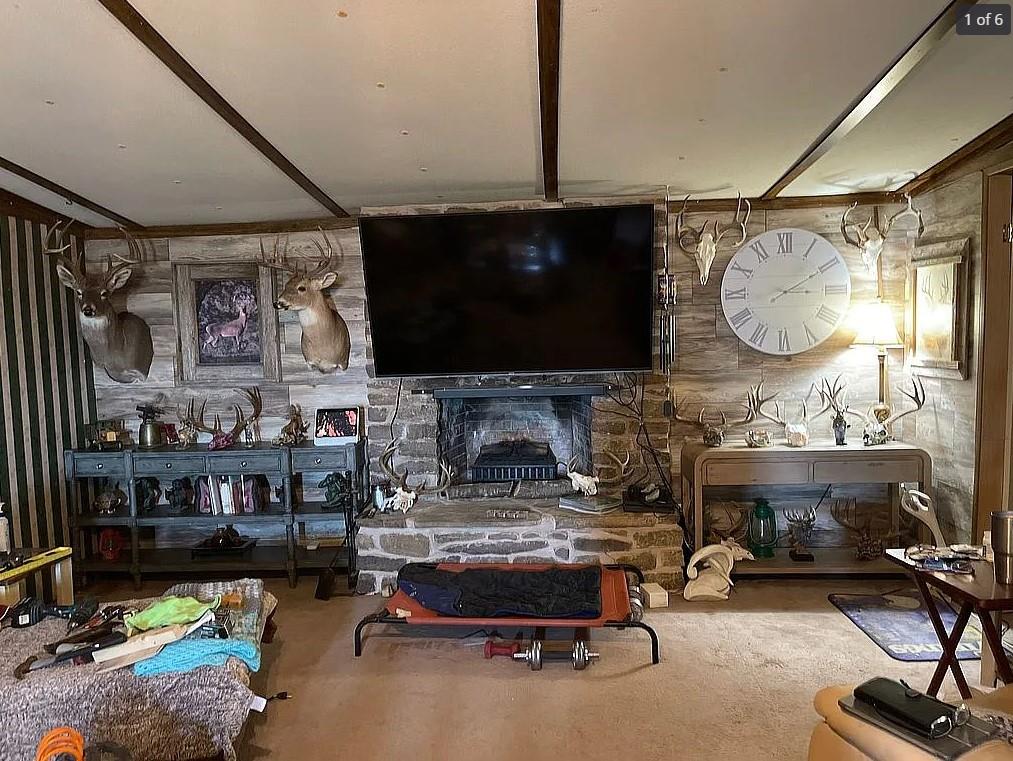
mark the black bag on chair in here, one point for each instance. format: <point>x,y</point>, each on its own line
<point>908,708</point>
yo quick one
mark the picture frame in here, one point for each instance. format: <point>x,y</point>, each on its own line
<point>226,327</point>
<point>336,426</point>
<point>938,311</point>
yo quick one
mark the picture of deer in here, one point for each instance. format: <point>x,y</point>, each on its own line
<point>233,329</point>
<point>325,341</point>
<point>119,342</point>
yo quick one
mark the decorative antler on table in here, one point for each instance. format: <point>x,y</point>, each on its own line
<point>796,434</point>
<point>404,495</point>
<point>868,544</point>
<point>701,244</point>
<point>877,431</point>
<point>220,439</point>
<point>713,433</point>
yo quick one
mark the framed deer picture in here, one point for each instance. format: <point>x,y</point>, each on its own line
<point>227,329</point>
<point>938,310</point>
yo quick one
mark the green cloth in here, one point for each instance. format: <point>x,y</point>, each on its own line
<point>169,611</point>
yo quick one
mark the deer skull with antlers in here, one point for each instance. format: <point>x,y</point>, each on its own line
<point>220,438</point>
<point>404,495</point>
<point>877,431</point>
<point>702,244</point>
<point>325,342</point>
<point>796,434</point>
<point>869,237</point>
<point>713,433</point>
<point>120,342</point>
<point>588,485</point>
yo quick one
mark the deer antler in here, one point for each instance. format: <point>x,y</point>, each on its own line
<point>739,223</point>
<point>197,420</point>
<point>699,421</point>
<point>623,470</point>
<point>278,259</point>
<point>845,223</point>
<point>757,400</point>
<point>917,396</point>
<point>242,421</point>
<point>845,512</point>
<point>681,232</point>
<point>907,211</point>
<point>327,262</point>
<point>831,396</point>
<point>401,479</point>
<point>55,246</point>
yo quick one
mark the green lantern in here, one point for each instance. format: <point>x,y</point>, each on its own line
<point>762,529</point>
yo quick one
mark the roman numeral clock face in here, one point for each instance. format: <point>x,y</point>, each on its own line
<point>786,291</point>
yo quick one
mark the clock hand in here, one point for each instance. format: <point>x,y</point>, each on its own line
<point>778,295</point>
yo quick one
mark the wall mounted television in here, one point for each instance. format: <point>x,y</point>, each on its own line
<point>514,292</point>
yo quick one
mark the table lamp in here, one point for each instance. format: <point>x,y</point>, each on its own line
<point>875,326</point>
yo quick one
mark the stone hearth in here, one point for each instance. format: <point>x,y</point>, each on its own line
<point>462,531</point>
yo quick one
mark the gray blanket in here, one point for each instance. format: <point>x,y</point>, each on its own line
<point>169,717</point>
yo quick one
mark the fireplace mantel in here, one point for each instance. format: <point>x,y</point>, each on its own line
<point>473,392</point>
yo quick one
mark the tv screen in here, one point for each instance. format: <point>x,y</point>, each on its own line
<point>558,290</point>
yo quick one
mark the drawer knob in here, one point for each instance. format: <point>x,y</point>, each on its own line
<point>99,466</point>
<point>168,466</point>
<point>316,462</point>
<point>242,464</point>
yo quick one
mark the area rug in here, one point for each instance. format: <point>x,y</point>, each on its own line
<point>899,623</point>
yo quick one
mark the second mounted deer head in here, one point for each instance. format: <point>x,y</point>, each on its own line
<point>868,236</point>
<point>702,244</point>
<point>325,341</point>
<point>120,342</point>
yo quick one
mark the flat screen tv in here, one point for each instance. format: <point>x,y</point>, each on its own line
<point>526,292</point>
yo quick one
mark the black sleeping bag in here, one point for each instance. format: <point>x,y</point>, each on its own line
<point>557,592</point>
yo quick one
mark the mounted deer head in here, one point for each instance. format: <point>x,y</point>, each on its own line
<point>702,244</point>
<point>869,237</point>
<point>220,439</point>
<point>120,342</point>
<point>325,341</point>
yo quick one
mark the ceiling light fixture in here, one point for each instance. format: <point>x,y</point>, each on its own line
<point>342,14</point>
<point>177,182</point>
<point>380,85</point>
<point>404,132</point>
<point>50,102</point>
<point>121,146</point>
<point>423,169</point>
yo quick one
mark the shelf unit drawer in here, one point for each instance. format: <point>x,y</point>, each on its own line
<point>742,472</point>
<point>867,471</point>
<point>247,462</point>
<point>321,458</point>
<point>97,465</point>
<point>162,464</point>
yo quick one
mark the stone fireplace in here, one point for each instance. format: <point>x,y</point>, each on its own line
<point>509,435</point>
<point>506,510</point>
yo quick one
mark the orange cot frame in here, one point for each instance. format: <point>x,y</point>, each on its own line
<point>616,610</point>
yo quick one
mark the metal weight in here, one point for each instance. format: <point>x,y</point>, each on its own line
<point>580,655</point>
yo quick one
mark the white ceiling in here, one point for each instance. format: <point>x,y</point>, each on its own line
<point>960,90</point>
<point>643,100</point>
<point>26,189</point>
<point>106,91</point>
<point>460,76</point>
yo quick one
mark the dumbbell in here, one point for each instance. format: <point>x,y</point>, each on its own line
<point>578,653</point>
<point>501,648</point>
<point>636,602</point>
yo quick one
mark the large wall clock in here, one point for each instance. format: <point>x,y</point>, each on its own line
<point>786,291</point>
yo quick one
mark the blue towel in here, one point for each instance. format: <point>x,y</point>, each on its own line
<point>188,654</point>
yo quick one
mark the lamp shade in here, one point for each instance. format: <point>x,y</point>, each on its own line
<point>874,325</point>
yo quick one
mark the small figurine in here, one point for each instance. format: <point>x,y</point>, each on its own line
<point>181,495</point>
<point>148,493</point>
<point>338,491</point>
<point>800,530</point>
<point>294,431</point>
<point>109,500</point>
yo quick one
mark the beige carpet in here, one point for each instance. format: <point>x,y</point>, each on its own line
<point>736,682</point>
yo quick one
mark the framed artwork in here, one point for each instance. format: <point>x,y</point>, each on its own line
<point>938,309</point>
<point>336,426</point>
<point>227,327</point>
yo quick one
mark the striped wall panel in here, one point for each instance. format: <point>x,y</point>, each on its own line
<point>45,386</point>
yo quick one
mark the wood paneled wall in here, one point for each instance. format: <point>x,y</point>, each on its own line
<point>45,385</point>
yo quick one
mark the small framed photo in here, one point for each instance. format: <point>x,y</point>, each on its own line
<point>336,426</point>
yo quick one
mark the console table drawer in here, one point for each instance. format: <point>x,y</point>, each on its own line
<point>321,458</point>
<point>742,472</point>
<point>160,465</point>
<point>96,465</point>
<point>247,462</point>
<point>867,471</point>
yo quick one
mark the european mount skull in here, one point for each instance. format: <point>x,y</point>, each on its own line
<point>702,244</point>
<point>869,237</point>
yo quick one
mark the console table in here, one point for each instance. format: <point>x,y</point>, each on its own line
<point>819,463</point>
<point>282,466</point>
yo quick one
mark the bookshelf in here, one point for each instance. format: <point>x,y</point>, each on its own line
<point>283,475</point>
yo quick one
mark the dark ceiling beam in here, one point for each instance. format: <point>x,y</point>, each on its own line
<point>872,96</point>
<point>996,136</point>
<point>11,204</point>
<point>63,192</point>
<point>548,22</point>
<point>137,25</point>
<point>229,228</point>
<point>791,202</point>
